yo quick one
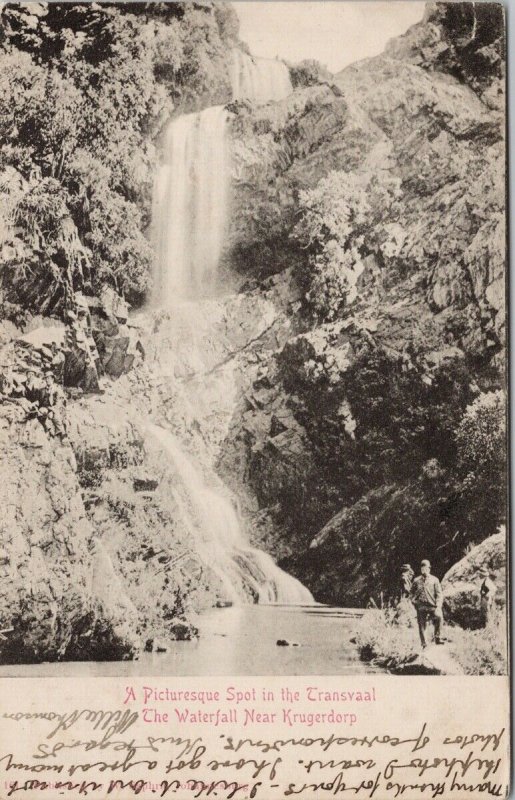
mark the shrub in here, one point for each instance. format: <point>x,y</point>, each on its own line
<point>484,651</point>
<point>482,448</point>
<point>387,635</point>
<point>308,73</point>
<point>341,221</point>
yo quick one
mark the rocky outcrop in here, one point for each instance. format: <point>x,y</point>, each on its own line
<point>437,139</point>
<point>48,603</point>
<point>461,584</point>
<point>464,40</point>
<point>350,422</point>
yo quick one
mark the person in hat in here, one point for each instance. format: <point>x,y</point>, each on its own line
<point>427,597</point>
<point>407,575</point>
<point>49,391</point>
<point>57,362</point>
<point>487,592</point>
<point>6,381</point>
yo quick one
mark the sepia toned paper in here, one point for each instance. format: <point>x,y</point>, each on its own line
<point>253,400</point>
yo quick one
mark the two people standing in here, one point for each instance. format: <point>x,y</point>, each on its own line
<point>425,592</point>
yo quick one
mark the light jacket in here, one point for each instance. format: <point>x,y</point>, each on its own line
<point>426,591</point>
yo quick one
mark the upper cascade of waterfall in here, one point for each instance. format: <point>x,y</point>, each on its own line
<point>190,206</point>
<point>260,80</point>
<point>191,192</point>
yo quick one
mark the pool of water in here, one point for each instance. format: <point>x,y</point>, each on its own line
<point>240,640</point>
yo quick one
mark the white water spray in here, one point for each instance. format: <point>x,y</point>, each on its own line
<point>190,206</point>
<point>216,533</point>
<point>259,80</point>
<point>191,194</point>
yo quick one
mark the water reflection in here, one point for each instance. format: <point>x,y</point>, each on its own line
<point>242,640</point>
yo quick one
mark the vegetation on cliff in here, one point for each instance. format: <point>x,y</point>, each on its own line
<point>388,205</point>
<point>84,90</point>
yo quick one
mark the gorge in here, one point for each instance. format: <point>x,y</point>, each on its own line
<point>269,303</point>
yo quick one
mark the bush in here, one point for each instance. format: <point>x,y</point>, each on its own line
<point>309,73</point>
<point>484,651</point>
<point>341,221</point>
<point>482,452</point>
<point>387,635</point>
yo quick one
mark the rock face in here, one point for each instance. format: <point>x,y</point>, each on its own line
<point>437,139</point>
<point>345,440</point>
<point>463,40</point>
<point>461,584</point>
<point>48,598</point>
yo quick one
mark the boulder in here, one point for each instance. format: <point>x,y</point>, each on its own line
<point>461,584</point>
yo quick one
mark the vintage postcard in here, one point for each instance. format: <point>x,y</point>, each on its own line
<point>253,400</point>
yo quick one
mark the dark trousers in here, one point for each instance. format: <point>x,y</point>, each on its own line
<point>427,614</point>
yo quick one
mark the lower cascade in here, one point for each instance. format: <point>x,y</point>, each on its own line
<point>216,533</point>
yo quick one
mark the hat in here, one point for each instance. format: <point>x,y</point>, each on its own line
<point>425,563</point>
<point>406,566</point>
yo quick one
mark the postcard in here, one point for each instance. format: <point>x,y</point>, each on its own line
<point>253,400</point>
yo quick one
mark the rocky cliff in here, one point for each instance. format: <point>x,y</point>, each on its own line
<point>382,191</point>
<point>350,393</point>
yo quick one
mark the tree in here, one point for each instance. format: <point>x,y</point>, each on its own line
<point>482,453</point>
<point>341,221</point>
<point>84,88</point>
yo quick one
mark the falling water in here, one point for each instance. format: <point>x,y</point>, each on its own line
<point>192,186</point>
<point>190,219</point>
<point>216,532</point>
<point>259,80</point>
<point>190,206</point>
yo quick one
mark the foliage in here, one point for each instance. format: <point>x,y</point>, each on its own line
<point>309,73</point>
<point>387,636</point>
<point>482,456</point>
<point>396,471</point>
<point>482,652</point>
<point>401,419</point>
<point>340,224</point>
<point>475,39</point>
<point>82,89</point>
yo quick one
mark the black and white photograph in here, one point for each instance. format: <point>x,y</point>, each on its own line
<point>253,366</point>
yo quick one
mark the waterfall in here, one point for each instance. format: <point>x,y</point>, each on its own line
<point>190,206</point>
<point>191,193</point>
<point>259,80</point>
<point>216,533</point>
<point>189,220</point>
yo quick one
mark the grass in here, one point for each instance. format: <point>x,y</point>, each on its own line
<point>388,637</point>
<point>483,651</point>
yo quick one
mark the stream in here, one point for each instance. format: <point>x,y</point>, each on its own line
<point>239,640</point>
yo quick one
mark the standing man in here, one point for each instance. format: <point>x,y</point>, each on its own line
<point>487,593</point>
<point>406,583</point>
<point>427,597</point>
